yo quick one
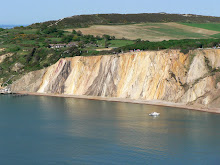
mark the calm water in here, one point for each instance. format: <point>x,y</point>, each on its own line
<point>46,130</point>
<point>10,26</point>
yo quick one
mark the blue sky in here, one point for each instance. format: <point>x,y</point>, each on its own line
<point>32,11</point>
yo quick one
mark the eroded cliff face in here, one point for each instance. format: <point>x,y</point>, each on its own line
<point>167,75</point>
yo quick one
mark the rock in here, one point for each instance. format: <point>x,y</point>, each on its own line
<point>213,58</point>
<point>29,82</point>
<point>207,100</point>
<point>199,89</point>
<point>17,67</point>
<point>197,69</point>
<point>148,75</point>
<point>4,56</point>
<point>2,49</point>
<point>218,85</point>
<point>11,59</point>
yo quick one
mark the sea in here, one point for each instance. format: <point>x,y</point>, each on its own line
<point>39,130</point>
<point>10,26</point>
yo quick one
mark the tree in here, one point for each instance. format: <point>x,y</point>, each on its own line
<point>138,40</point>
<point>112,37</point>
<point>106,37</point>
<point>74,51</point>
<point>74,32</point>
<point>81,45</point>
<point>76,38</point>
<point>38,32</point>
<point>67,39</point>
<point>98,38</point>
<point>60,33</point>
<point>43,27</point>
<point>106,44</point>
<point>50,30</point>
<point>79,33</point>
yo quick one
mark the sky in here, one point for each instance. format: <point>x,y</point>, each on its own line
<point>25,12</point>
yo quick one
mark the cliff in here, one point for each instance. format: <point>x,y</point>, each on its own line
<point>168,75</point>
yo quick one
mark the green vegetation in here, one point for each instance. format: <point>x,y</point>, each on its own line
<point>208,65</point>
<point>216,35</point>
<point>120,43</point>
<point>30,49</point>
<point>184,45</point>
<point>103,19</point>
<point>149,31</point>
<point>166,30</point>
<point>208,26</point>
<point>191,57</point>
<point>176,32</point>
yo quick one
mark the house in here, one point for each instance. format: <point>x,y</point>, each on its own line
<point>71,44</point>
<point>53,46</point>
<point>57,46</point>
<point>5,90</point>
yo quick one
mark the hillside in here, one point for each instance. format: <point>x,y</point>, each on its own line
<point>150,31</point>
<point>103,19</point>
<point>145,26</point>
<point>25,49</point>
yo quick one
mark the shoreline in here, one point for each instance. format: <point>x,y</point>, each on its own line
<point>114,99</point>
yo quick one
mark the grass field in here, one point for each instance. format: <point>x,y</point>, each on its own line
<point>150,31</point>
<point>120,43</point>
<point>209,26</point>
<point>55,39</point>
<point>112,44</point>
<point>216,35</point>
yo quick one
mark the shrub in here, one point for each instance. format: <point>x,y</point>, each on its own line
<point>15,49</point>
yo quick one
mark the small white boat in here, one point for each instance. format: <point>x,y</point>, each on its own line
<point>154,114</point>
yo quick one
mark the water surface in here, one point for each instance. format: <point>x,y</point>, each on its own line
<point>47,130</point>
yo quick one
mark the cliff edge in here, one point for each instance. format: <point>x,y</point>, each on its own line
<point>167,75</point>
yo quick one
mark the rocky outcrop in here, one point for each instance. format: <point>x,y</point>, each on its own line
<point>167,75</point>
<point>4,56</point>
<point>17,67</point>
<point>2,49</point>
<point>29,82</point>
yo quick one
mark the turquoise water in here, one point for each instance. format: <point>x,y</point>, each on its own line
<point>46,130</point>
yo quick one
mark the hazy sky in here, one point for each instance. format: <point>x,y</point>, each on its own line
<point>32,11</point>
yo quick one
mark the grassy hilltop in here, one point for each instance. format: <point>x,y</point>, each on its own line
<point>24,49</point>
<point>103,19</point>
